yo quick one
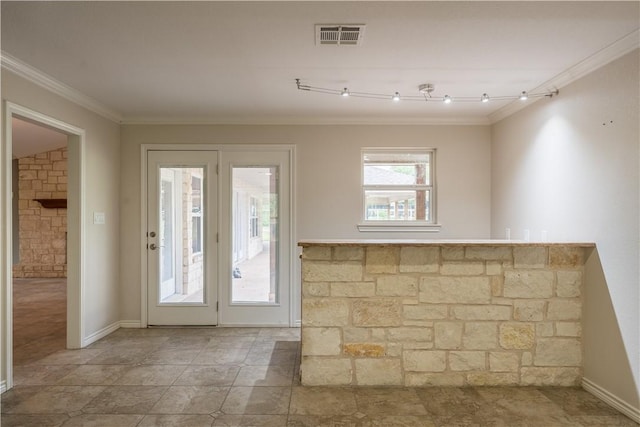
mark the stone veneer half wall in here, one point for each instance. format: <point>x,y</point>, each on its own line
<point>442,314</point>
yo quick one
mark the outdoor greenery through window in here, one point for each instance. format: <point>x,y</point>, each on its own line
<point>398,185</point>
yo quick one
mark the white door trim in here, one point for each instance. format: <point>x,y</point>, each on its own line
<point>75,230</point>
<point>144,148</point>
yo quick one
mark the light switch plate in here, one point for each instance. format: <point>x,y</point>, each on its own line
<point>98,218</point>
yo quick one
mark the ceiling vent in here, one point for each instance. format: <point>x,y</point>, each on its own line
<point>340,34</point>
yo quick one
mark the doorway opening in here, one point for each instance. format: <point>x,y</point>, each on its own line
<point>66,252</point>
<point>39,240</point>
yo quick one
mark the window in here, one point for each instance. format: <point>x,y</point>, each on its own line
<point>398,189</point>
<point>196,214</point>
<point>253,218</point>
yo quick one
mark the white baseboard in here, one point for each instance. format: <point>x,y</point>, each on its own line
<point>612,400</point>
<point>131,324</point>
<point>100,334</point>
<point>252,325</point>
<point>3,386</point>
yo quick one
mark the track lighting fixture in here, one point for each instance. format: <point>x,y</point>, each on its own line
<point>425,94</point>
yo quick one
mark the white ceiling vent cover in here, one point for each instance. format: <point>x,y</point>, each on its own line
<point>339,34</point>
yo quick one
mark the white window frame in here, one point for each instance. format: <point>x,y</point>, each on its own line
<point>198,216</point>
<point>430,225</point>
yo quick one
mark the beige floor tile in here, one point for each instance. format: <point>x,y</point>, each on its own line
<point>125,355</point>
<point>180,342</point>
<point>171,357</point>
<point>151,375</point>
<point>176,421</point>
<point>389,401</point>
<point>94,375</point>
<point>58,399</point>
<point>323,401</point>
<point>257,401</point>
<point>104,420</point>
<point>221,356</point>
<point>125,400</point>
<point>191,400</point>
<point>19,420</point>
<point>328,421</point>
<point>251,421</point>
<point>524,402</point>
<point>40,374</point>
<point>275,357</point>
<point>215,375</point>
<point>259,376</point>
<point>575,401</point>
<point>231,342</point>
<point>70,357</point>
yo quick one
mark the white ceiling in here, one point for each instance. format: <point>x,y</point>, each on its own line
<point>236,62</point>
<point>28,138</point>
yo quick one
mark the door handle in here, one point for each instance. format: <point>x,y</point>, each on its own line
<point>153,247</point>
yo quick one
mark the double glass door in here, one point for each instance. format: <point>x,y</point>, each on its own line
<point>218,243</point>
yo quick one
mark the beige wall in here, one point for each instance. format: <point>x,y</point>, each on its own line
<point>328,195</point>
<point>101,190</point>
<point>570,166</point>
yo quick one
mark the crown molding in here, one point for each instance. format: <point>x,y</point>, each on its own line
<point>293,120</point>
<point>32,74</point>
<point>599,59</point>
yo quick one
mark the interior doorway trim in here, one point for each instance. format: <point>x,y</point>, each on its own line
<point>75,230</point>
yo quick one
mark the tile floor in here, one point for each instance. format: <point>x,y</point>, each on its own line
<point>249,377</point>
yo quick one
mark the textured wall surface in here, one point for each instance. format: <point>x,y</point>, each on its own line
<point>43,240</point>
<point>442,315</point>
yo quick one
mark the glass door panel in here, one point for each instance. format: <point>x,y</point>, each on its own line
<point>255,234</point>
<point>181,239</point>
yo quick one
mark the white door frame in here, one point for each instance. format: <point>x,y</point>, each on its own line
<point>75,230</point>
<point>144,148</point>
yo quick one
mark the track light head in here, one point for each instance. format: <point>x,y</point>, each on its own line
<point>524,96</point>
<point>396,97</point>
<point>484,98</point>
<point>447,99</point>
<point>345,92</point>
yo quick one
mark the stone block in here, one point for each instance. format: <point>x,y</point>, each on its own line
<point>321,342</point>
<point>544,329</point>
<point>378,334</point>
<point>315,289</point>
<point>568,329</point>
<point>517,336</point>
<point>416,345</point>
<point>353,289</point>
<point>558,352</point>
<point>351,335</point>
<point>468,268</point>
<point>480,336</point>
<point>322,371</point>
<point>457,290</point>
<point>491,379</point>
<point>422,379</point>
<point>315,271</point>
<point>493,268</point>
<point>527,358</point>
<point>530,257</point>
<point>486,253</point>
<point>454,253</point>
<point>397,286</point>
<point>394,350</point>
<point>424,360</point>
<point>528,311</point>
<point>503,362</point>
<point>419,259</point>
<point>425,312</point>
<point>448,335</point>
<point>569,284</point>
<point>378,372</point>
<point>564,310</point>
<point>409,334</point>
<point>497,286</point>
<point>566,256</point>
<point>528,284</point>
<point>325,312</point>
<point>377,312</point>
<point>348,253</point>
<point>481,312</point>
<point>467,360</point>
<point>382,259</point>
<point>364,350</point>
<point>320,253</point>
<point>561,377</point>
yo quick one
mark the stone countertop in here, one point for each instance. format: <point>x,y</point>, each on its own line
<point>421,242</point>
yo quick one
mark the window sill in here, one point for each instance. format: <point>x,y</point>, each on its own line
<point>399,226</point>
